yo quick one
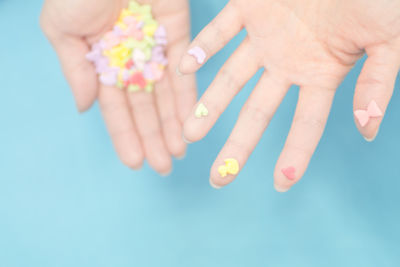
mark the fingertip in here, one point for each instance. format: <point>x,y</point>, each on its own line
<point>166,173</point>
<point>372,137</point>
<point>186,140</point>
<point>182,156</point>
<point>85,93</point>
<point>214,185</point>
<point>133,160</point>
<point>165,170</point>
<point>218,182</point>
<point>83,107</point>
<point>368,130</point>
<point>194,129</point>
<point>281,189</point>
<point>285,178</point>
<point>190,135</point>
<point>179,149</point>
<point>224,172</point>
<point>161,164</point>
<point>173,139</point>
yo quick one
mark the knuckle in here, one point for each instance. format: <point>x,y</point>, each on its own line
<point>151,133</point>
<point>228,79</point>
<point>143,107</point>
<point>168,119</point>
<point>372,80</point>
<point>133,161</point>
<point>111,106</point>
<point>119,132</point>
<point>257,114</point>
<point>238,147</point>
<point>214,108</point>
<point>313,122</point>
<point>218,33</point>
<point>301,149</point>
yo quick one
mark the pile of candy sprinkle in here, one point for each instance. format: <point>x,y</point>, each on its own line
<point>132,55</point>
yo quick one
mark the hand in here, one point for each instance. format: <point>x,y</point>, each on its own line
<point>309,43</point>
<point>141,125</point>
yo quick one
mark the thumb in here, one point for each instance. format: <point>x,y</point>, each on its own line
<point>79,72</point>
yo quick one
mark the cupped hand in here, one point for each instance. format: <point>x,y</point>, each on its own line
<point>309,43</point>
<point>142,125</point>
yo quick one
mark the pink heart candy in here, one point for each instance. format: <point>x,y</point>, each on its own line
<point>290,173</point>
<point>198,53</point>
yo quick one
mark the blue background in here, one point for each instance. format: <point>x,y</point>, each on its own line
<point>66,200</point>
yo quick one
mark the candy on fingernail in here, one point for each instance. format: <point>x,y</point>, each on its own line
<point>289,172</point>
<point>201,111</point>
<point>198,53</point>
<point>132,55</point>
<point>231,167</point>
<point>372,111</point>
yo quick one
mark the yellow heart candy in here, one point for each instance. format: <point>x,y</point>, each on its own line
<point>150,29</point>
<point>223,171</point>
<point>201,111</point>
<point>231,167</point>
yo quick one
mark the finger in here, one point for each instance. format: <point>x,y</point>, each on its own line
<point>236,72</point>
<point>308,126</point>
<point>212,38</point>
<point>171,126</point>
<point>375,88</point>
<point>118,118</point>
<point>184,86</point>
<point>253,120</point>
<point>78,71</point>
<point>148,125</point>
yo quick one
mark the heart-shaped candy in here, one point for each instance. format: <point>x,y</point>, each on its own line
<point>201,111</point>
<point>290,173</point>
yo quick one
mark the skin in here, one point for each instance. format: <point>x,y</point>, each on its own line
<point>141,125</point>
<point>309,43</point>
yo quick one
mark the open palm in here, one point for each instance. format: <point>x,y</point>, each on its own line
<point>312,44</point>
<point>141,125</point>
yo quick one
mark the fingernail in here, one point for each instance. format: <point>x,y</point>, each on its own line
<point>372,111</point>
<point>181,157</point>
<point>80,109</point>
<point>281,189</point>
<point>178,72</point>
<point>371,139</point>
<point>214,185</point>
<point>138,167</point>
<point>166,174</point>
<point>185,140</point>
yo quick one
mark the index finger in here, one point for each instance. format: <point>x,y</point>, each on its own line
<point>211,39</point>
